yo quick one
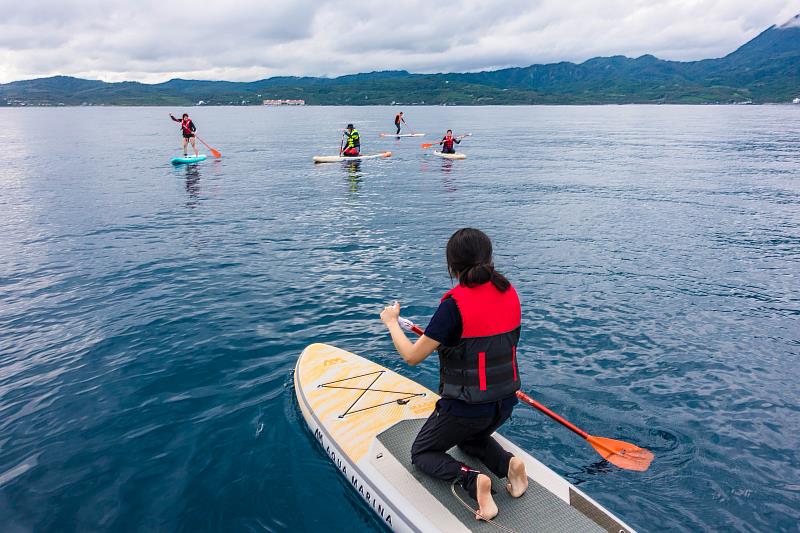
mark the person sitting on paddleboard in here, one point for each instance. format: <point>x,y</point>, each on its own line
<point>476,330</point>
<point>448,143</point>
<point>397,120</point>
<point>187,129</point>
<point>352,139</point>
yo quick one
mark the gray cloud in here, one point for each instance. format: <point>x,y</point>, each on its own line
<point>154,40</point>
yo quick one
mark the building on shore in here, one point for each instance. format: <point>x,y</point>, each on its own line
<point>284,102</point>
<point>796,101</point>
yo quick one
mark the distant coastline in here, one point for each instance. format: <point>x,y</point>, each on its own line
<point>762,71</point>
<point>400,106</point>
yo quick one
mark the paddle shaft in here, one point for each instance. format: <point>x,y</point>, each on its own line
<point>560,419</point>
<point>213,151</point>
<point>407,325</point>
<point>202,141</point>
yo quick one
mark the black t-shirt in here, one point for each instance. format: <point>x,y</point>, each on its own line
<point>445,325</point>
<point>445,328</point>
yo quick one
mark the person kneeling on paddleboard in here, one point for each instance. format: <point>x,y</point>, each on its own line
<point>476,330</point>
<point>187,129</point>
<point>448,143</point>
<point>397,120</point>
<point>352,147</point>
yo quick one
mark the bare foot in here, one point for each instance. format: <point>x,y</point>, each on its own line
<point>487,509</point>
<point>517,477</point>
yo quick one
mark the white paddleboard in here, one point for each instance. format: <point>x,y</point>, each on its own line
<point>457,155</point>
<point>365,417</point>
<point>340,158</point>
<point>402,135</point>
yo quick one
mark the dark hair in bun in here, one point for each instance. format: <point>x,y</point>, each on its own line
<point>469,259</point>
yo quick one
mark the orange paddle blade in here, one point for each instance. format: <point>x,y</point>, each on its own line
<point>215,153</point>
<point>427,145</point>
<point>622,454</point>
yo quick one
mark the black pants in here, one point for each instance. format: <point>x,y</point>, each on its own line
<point>398,128</point>
<point>442,431</point>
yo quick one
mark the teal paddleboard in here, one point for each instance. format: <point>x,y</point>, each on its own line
<point>188,159</point>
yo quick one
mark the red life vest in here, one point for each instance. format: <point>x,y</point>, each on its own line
<point>397,119</point>
<point>448,143</point>
<point>482,368</point>
<point>186,126</point>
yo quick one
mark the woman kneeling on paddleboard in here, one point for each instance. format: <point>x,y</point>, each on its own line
<point>476,330</point>
<point>352,138</point>
<point>448,143</point>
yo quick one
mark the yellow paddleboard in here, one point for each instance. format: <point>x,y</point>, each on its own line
<point>365,417</point>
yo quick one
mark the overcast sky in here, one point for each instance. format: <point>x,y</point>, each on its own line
<point>155,40</point>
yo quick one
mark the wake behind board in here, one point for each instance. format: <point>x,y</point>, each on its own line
<point>340,158</point>
<point>366,416</point>
<point>457,155</point>
<point>188,159</point>
<point>402,135</point>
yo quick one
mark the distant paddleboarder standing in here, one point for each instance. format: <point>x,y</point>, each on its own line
<point>398,119</point>
<point>187,129</point>
<point>351,142</point>
<point>476,331</point>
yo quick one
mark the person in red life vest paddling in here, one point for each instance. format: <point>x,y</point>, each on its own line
<point>476,330</point>
<point>352,138</point>
<point>187,129</point>
<point>399,119</point>
<point>448,143</point>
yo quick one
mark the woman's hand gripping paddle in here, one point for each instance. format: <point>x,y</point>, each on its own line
<point>215,153</point>
<point>428,145</point>
<point>619,453</point>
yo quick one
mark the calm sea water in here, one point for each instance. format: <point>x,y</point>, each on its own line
<point>150,316</point>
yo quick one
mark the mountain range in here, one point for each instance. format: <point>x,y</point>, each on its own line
<point>764,70</point>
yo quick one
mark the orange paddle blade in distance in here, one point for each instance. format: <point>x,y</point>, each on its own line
<point>215,153</point>
<point>427,145</point>
<point>622,454</point>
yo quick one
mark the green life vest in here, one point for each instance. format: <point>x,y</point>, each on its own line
<point>353,139</point>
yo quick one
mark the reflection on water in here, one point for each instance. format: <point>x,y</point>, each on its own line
<point>354,175</point>
<point>448,179</point>
<point>193,185</point>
